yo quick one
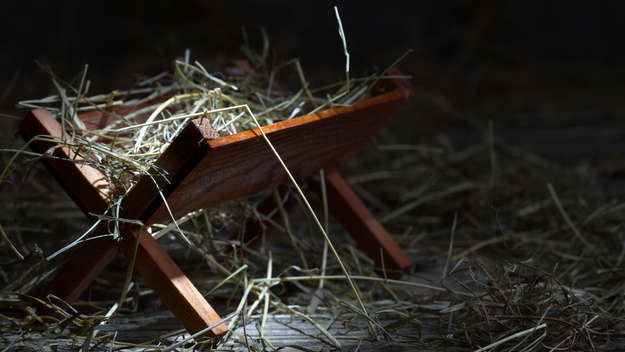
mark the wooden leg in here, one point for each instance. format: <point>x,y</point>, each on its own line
<point>170,283</point>
<point>368,233</point>
<point>89,189</point>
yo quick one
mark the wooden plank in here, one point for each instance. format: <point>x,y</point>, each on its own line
<point>182,155</point>
<point>242,164</point>
<point>284,333</point>
<point>82,268</point>
<point>364,228</point>
<point>98,119</point>
<point>172,286</point>
<point>85,184</point>
<point>89,190</point>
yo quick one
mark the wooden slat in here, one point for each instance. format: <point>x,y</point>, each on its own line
<point>84,184</point>
<point>172,286</point>
<point>242,164</point>
<point>89,190</point>
<point>182,155</point>
<point>82,268</point>
<point>364,228</point>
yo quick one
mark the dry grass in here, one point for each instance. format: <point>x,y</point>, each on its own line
<point>513,251</point>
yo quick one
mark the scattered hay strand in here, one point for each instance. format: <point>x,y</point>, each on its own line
<point>512,277</point>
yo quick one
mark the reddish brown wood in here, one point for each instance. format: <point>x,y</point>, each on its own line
<point>100,118</point>
<point>84,266</point>
<point>364,228</point>
<point>172,285</point>
<point>177,161</point>
<point>253,227</point>
<point>242,164</point>
<point>85,185</point>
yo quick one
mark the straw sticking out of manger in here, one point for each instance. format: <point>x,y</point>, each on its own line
<point>517,270</point>
<point>131,143</point>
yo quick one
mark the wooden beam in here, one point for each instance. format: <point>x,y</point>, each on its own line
<point>172,286</point>
<point>84,184</point>
<point>89,190</point>
<point>242,164</point>
<point>364,228</point>
<point>84,266</point>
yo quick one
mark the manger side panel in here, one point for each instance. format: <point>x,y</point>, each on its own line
<point>84,266</point>
<point>233,170</point>
<point>170,169</point>
<point>100,118</point>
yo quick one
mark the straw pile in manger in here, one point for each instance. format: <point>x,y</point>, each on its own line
<point>505,259</point>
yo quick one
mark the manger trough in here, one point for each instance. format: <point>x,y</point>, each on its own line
<point>200,169</point>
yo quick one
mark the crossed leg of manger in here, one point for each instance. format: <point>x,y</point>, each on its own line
<point>346,207</point>
<point>87,187</point>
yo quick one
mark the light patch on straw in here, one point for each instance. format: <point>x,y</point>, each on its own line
<point>175,118</point>
<point>156,113</point>
<point>342,35</point>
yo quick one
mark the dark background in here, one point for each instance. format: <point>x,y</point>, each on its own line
<point>527,66</point>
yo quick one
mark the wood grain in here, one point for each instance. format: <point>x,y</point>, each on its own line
<point>85,185</point>
<point>82,268</point>
<point>242,164</point>
<point>172,286</point>
<point>171,168</point>
<point>363,226</point>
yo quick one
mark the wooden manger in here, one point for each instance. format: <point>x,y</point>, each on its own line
<point>203,172</point>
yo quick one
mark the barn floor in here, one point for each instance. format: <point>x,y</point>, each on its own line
<point>503,180</point>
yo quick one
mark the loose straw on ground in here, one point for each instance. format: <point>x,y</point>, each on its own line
<point>512,337</point>
<point>315,218</point>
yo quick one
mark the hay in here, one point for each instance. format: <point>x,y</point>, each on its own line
<point>512,260</point>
